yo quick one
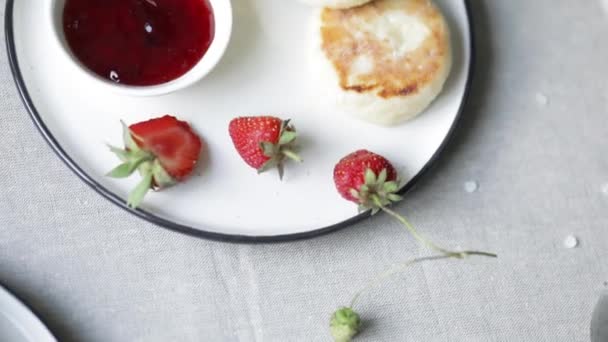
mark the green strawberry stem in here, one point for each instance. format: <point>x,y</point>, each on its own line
<point>425,241</point>
<point>137,195</point>
<point>351,323</point>
<point>395,270</point>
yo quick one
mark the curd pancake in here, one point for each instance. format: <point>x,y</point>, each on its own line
<point>383,62</point>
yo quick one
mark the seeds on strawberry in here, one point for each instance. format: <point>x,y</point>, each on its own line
<point>164,150</point>
<point>264,142</point>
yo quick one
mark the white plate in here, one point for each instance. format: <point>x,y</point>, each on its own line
<point>18,323</point>
<point>263,72</point>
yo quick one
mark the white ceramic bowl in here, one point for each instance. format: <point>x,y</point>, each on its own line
<point>222,11</point>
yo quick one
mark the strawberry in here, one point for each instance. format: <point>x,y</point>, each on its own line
<point>362,176</point>
<point>370,180</point>
<point>164,150</point>
<point>263,141</point>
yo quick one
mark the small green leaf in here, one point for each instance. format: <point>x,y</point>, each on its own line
<point>271,163</point>
<point>354,193</point>
<point>269,149</point>
<point>287,137</point>
<point>395,197</point>
<point>382,176</point>
<point>390,187</point>
<point>161,177</point>
<point>137,195</point>
<point>134,160</point>
<point>123,170</point>
<point>375,210</point>
<point>370,177</point>
<point>291,155</point>
<point>122,154</point>
<point>364,189</point>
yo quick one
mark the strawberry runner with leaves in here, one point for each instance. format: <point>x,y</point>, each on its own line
<point>370,181</point>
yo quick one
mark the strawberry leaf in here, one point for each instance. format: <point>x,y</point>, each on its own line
<point>370,177</point>
<point>132,161</point>
<point>123,170</point>
<point>269,149</point>
<point>268,165</point>
<point>395,197</point>
<point>120,153</point>
<point>291,155</point>
<point>161,178</point>
<point>390,187</point>
<point>382,176</point>
<point>287,137</point>
<point>137,195</point>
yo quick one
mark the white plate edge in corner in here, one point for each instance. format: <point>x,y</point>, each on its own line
<point>24,320</point>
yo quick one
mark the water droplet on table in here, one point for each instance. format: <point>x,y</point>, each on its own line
<point>605,189</point>
<point>471,186</point>
<point>542,99</point>
<point>571,242</point>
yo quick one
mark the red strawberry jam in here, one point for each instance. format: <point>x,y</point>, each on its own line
<point>139,42</point>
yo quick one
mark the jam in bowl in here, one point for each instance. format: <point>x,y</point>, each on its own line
<point>143,47</point>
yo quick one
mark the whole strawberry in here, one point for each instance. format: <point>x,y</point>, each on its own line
<point>365,178</point>
<point>263,141</point>
<point>164,150</point>
<point>370,180</point>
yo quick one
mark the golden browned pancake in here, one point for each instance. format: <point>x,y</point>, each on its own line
<point>389,58</point>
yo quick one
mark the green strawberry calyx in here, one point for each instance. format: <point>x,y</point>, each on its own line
<point>283,149</point>
<point>133,158</point>
<point>376,192</point>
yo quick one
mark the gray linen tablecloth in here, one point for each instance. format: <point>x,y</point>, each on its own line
<point>534,137</point>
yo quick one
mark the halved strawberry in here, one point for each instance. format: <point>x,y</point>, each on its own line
<point>263,141</point>
<point>164,150</point>
<point>370,180</point>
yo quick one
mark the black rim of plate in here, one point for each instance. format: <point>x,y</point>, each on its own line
<point>184,229</point>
